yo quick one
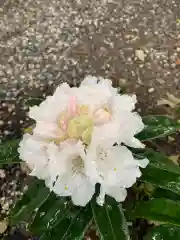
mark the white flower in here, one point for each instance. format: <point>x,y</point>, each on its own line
<point>72,143</point>
<point>112,108</point>
<point>113,166</point>
<point>62,167</point>
<point>67,175</point>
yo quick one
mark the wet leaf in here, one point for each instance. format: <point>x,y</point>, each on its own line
<point>164,232</point>
<point>161,178</point>
<point>30,201</point>
<point>110,220</point>
<point>161,171</point>
<point>160,210</point>
<point>162,193</point>
<point>158,127</point>
<point>9,153</point>
<point>32,101</point>
<point>52,211</point>
<point>157,159</point>
<point>71,226</point>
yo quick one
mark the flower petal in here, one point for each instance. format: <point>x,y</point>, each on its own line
<point>89,80</point>
<point>143,162</point>
<point>61,185</point>
<point>48,130</point>
<point>83,193</point>
<point>118,193</point>
<point>122,103</point>
<point>49,110</point>
<point>133,142</point>
<point>33,151</point>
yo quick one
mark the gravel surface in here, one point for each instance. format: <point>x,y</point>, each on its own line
<point>136,43</point>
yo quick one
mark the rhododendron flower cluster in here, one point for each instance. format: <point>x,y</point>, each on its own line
<point>80,139</point>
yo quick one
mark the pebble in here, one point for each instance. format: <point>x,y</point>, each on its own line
<point>2,173</point>
<point>1,122</point>
<point>3,226</point>
<point>140,55</point>
<point>5,206</point>
<point>150,90</point>
<point>122,81</point>
<point>161,81</point>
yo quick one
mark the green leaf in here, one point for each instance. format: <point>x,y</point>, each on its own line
<point>164,232</point>
<point>157,127</point>
<point>161,178</point>
<point>8,152</point>
<point>50,214</point>
<point>160,160</point>
<point>162,193</point>
<point>160,210</point>
<point>32,101</point>
<point>110,220</point>
<point>30,201</point>
<point>161,171</point>
<point>72,226</point>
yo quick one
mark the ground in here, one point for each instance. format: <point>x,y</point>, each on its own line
<point>43,43</point>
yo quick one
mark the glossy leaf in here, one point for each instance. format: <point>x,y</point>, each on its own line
<point>157,127</point>
<point>164,232</point>
<point>8,152</point>
<point>161,171</point>
<point>110,221</point>
<point>162,193</point>
<point>30,201</point>
<point>160,210</point>
<point>72,226</point>
<point>32,101</point>
<point>156,159</point>
<point>52,211</point>
<point>161,178</point>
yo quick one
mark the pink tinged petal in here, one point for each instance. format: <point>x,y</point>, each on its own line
<point>72,106</point>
